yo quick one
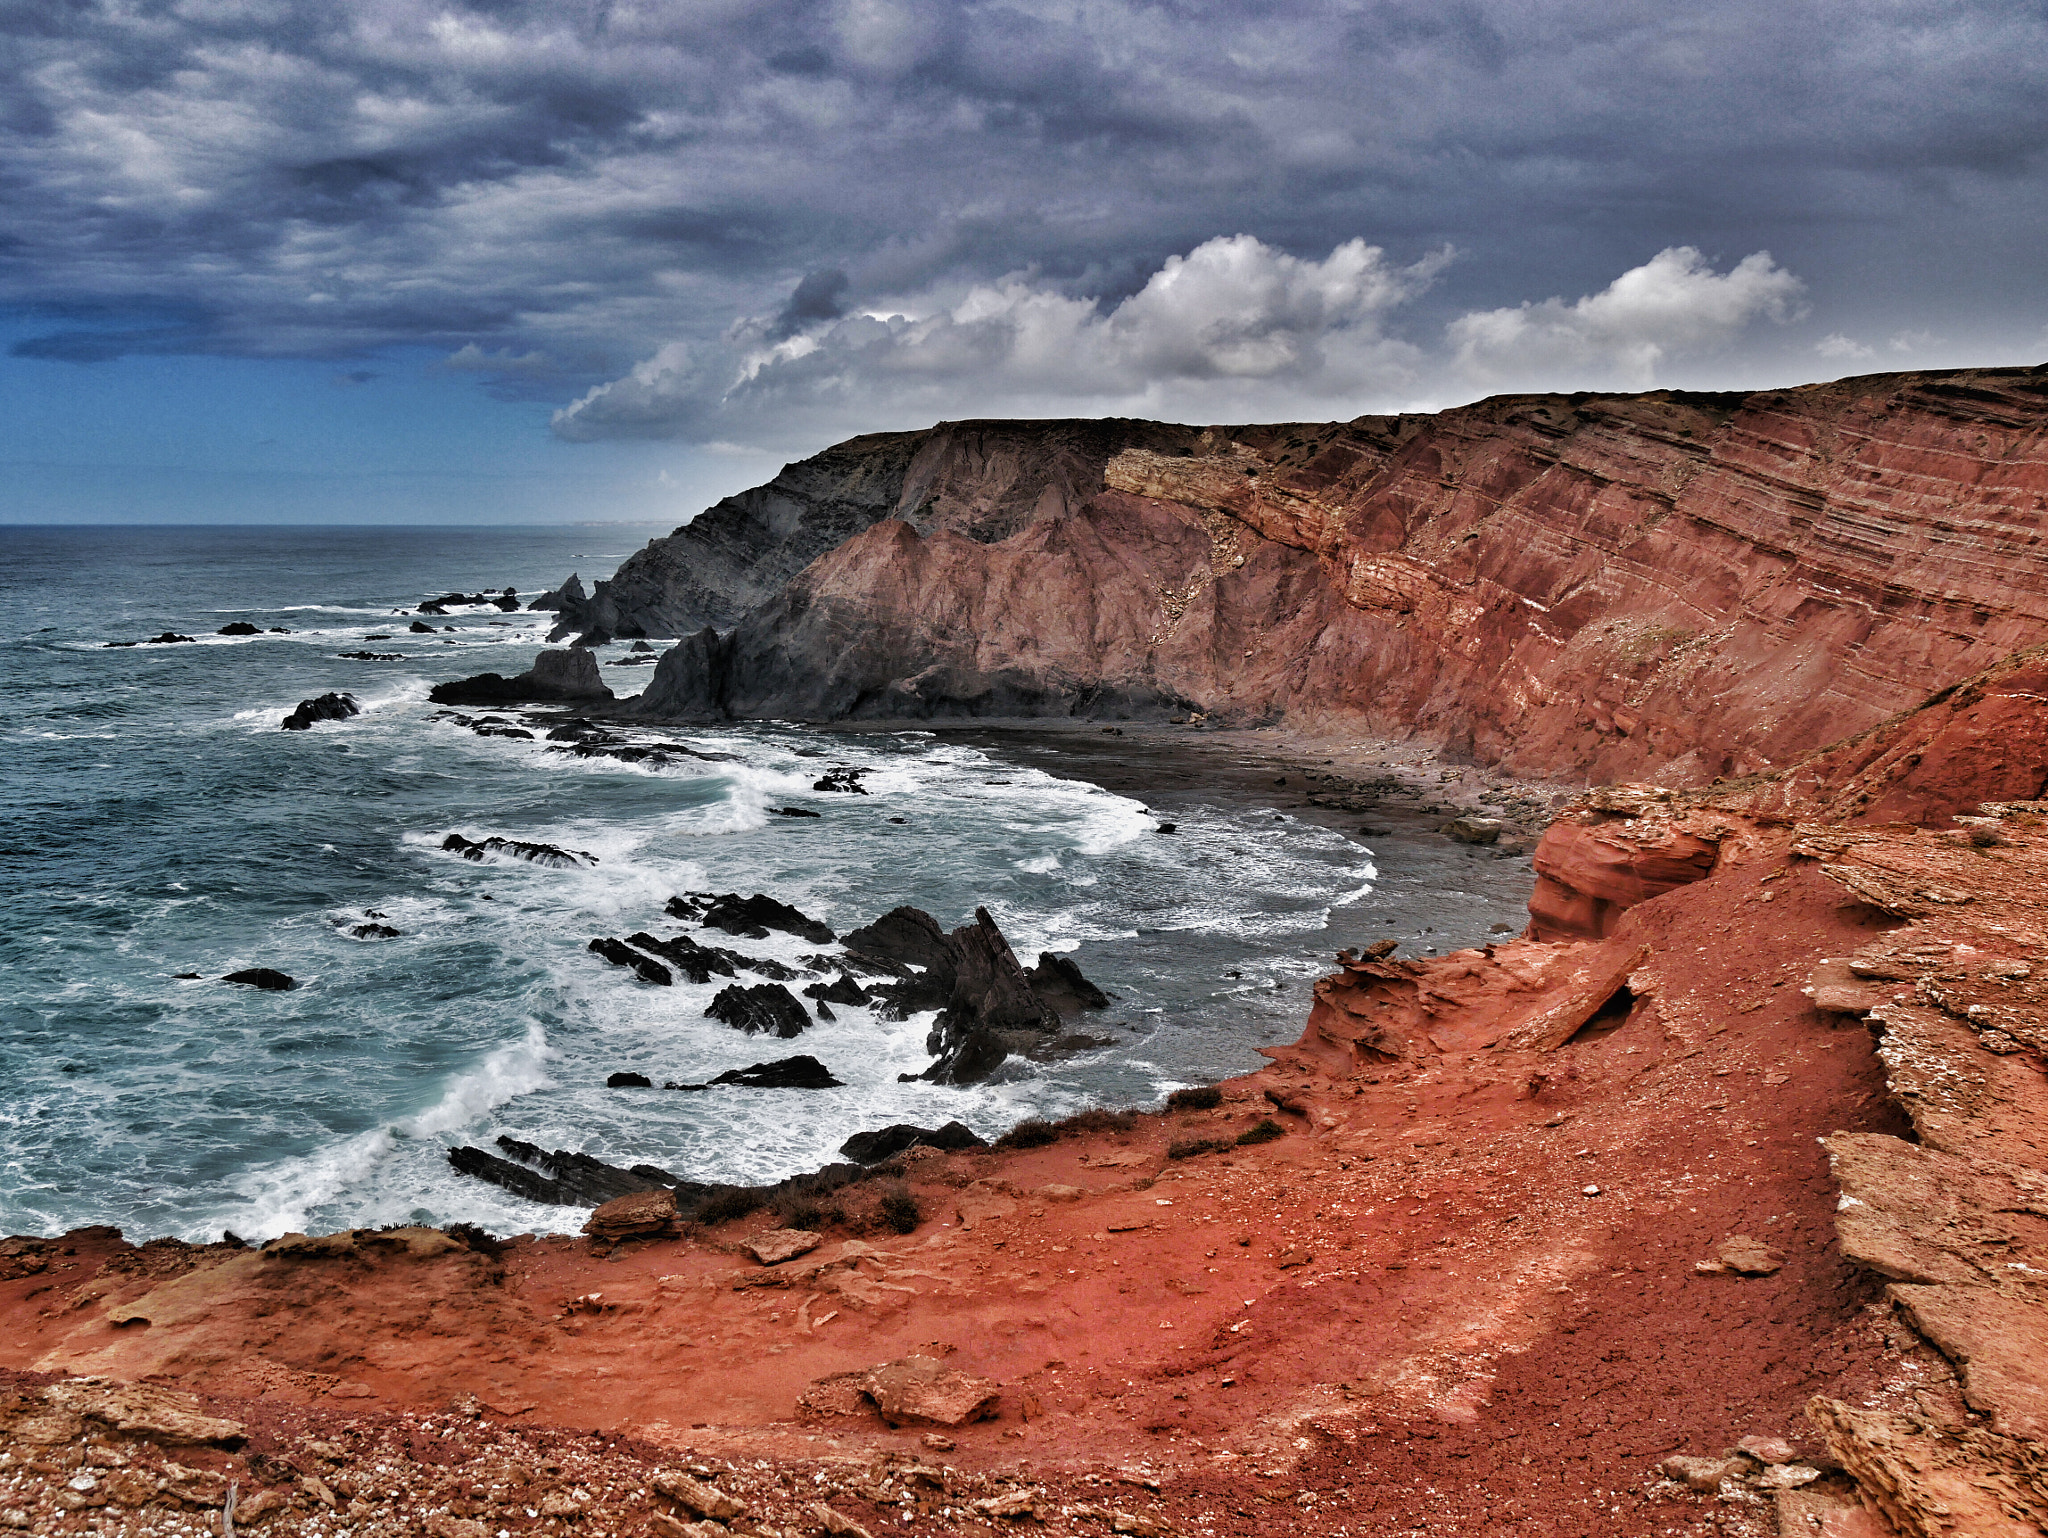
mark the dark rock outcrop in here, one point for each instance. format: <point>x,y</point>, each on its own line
<point>699,963</point>
<point>518,849</point>
<point>752,918</point>
<point>887,1142</point>
<point>907,937</point>
<point>561,1178</point>
<point>238,627</point>
<point>267,978</point>
<point>328,707</point>
<point>374,932</point>
<point>842,990</point>
<point>566,676</point>
<point>1059,983</point>
<point>622,955</point>
<point>420,627</point>
<point>569,595</point>
<point>799,1072</point>
<point>626,1079</point>
<point>764,1008</point>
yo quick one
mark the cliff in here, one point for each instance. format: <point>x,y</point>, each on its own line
<point>1669,585</point>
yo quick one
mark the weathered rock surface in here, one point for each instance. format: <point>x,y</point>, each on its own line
<point>800,1072</point>
<point>768,1008</point>
<point>752,918</point>
<point>518,849</point>
<point>636,1215</point>
<point>1698,585</point>
<point>567,676</point>
<point>913,1391</point>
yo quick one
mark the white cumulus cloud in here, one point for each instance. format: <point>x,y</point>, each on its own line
<point>1674,305</point>
<point>1233,328</point>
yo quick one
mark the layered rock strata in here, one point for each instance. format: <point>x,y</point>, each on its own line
<point>1673,585</point>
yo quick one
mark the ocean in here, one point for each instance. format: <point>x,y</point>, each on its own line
<point>155,821</point>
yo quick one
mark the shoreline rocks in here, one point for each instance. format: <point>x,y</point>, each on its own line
<point>327,707</point>
<point>564,676</point>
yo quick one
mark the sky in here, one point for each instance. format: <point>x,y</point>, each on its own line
<point>537,261</point>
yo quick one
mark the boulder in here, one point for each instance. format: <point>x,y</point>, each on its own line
<point>627,1080</point>
<point>639,1215</point>
<point>620,954</point>
<point>267,978</point>
<point>752,918</point>
<point>1741,1255</point>
<point>1473,830</point>
<point>168,638</point>
<point>700,1500</point>
<point>556,676</point>
<point>844,779</point>
<point>908,937</point>
<point>844,990</point>
<point>238,627</point>
<point>887,1142</point>
<point>143,1410</point>
<point>420,627</point>
<point>923,1391</point>
<point>781,1244</point>
<point>374,932</point>
<point>328,707</point>
<point>766,1007</point>
<point>799,1072</point>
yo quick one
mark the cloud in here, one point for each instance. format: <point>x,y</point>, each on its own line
<point>1233,330</point>
<point>574,176</point>
<point>1835,345</point>
<point>1234,323</point>
<point>1674,304</point>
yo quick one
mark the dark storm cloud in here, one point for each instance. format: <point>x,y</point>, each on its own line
<point>741,194</point>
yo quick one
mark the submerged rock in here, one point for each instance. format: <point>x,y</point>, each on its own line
<point>328,707</point>
<point>519,849</point>
<point>800,1072</point>
<point>766,1007</point>
<point>374,932</point>
<point>267,978</point>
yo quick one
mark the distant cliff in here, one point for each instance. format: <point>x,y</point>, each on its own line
<point>1683,584</point>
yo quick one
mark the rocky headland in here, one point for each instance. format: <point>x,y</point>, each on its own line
<point>1715,1201</point>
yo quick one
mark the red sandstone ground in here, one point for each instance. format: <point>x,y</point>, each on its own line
<point>1463,1293</point>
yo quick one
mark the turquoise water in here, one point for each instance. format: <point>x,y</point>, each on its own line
<point>154,821</point>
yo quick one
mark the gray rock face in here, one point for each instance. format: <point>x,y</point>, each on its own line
<point>741,551</point>
<point>556,676</point>
<point>982,480</point>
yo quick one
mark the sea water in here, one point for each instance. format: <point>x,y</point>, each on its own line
<point>155,821</point>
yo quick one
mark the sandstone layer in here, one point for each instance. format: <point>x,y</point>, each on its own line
<point>1672,586</point>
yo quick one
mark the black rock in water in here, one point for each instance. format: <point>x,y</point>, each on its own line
<point>168,638</point>
<point>518,849</point>
<point>559,676</point>
<point>561,1178</point>
<point>629,1081</point>
<point>1058,982</point>
<point>503,731</point>
<point>238,627</point>
<point>569,595</point>
<point>843,778</point>
<point>800,1072</point>
<point>372,656</point>
<point>843,990</point>
<point>907,936</point>
<point>328,707</point>
<point>508,600</point>
<point>887,1142</point>
<point>420,627</point>
<point>765,1007</point>
<point>699,963</point>
<point>267,978</point>
<point>374,932</point>
<point>620,954</point>
<point>791,811</point>
<point>752,917</point>
<point>964,1057</point>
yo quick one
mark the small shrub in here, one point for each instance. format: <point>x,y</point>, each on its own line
<point>1985,838</point>
<point>1084,1123</point>
<point>1204,1098</point>
<point>482,1241</point>
<point>1034,1133</point>
<point>1191,1147</point>
<point>1264,1132</point>
<point>729,1202</point>
<point>899,1211</point>
<point>810,1216</point>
